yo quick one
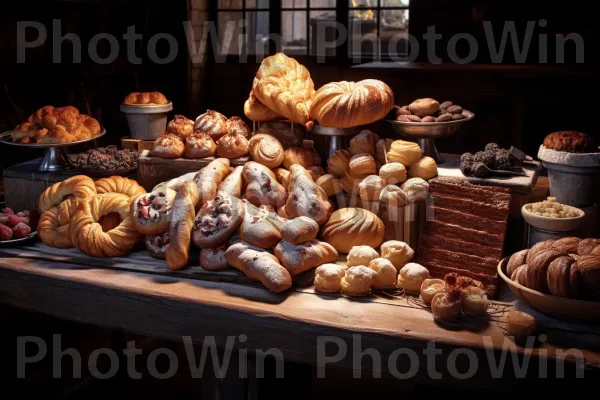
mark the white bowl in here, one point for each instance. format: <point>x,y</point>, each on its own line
<point>552,224</point>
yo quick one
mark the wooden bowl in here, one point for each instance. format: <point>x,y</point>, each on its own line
<point>555,306</point>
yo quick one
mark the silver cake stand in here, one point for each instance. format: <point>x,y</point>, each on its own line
<point>54,158</point>
<point>335,136</point>
<point>425,133</point>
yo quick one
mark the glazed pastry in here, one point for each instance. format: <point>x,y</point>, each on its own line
<point>213,259</point>
<point>53,226</point>
<point>297,258</point>
<point>328,278</point>
<point>118,184</point>
<point>167,145</point>
<point>339,163</point>
<point>416,189</point>
<point>233,184</point>
<point>315,172</point>
<point>157,245</point>
<point>199,145</point>
<point>209,178</point>
<point>519,275</point>
<point>180,228</point>
<point>361,255</point>
<point>263,188</point>
<point>181,126</point>
<point>78,186</point>
<point>411,277</point>
<point>424,107</point>
<point>299,230</point>
<point>349,227</point>
<point>257,111</point>
<point>364,142</point>
<point>520,324</point>
<point>151,212</point>
<point>330,185</point>
<point>232,145</point>
<point>350,104</point>
<point>393,173</point>
<point>399,253</point>
<point>261,226</point>
<point>431,287</point>
<point>516,260</point>
<point>266,150</point>
<point>474,301</point>
<point>282,176</point>
<point>386,273</point>
<point>145,98</point>
<point>446,306</point>
<point>87,234</point>
<point>370,188</point>
<point>357,281</point>
<point>406,153</point>
<point>363,164</point>
<point>301,156</point>
<point>306,198</point>
<point>235,125</point>
<point>217,220</point>
<point>393,196</point>
<point>259,265</point>
<point>212,123</point>
<point>425,168</point>
<point>381,149</point>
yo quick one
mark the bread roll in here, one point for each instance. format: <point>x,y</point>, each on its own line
<point>399,253</point>
<point>199,145</point>
<point>370,188</point>
<point>328,278</point>
<point>363,164</point>
<point>364,142</point>
<point>350,182</point>
<point>406,153</point>
<point>213,259</point>
<point>181,126</point>
<point>217,220</point>
<point>381,149</point>
<point>233,184</point>
<point>349,227</point>
<point>357,281</point>
<point>361,255</point>
<point>520,324</point>
<point>393,173</point>
<point>298,258</point>
<point>386,273</point>
<point>180,228</point>
<point>301,156</point>
<point>519,275</point>
<point>538,248</point>
<point>261,226</point>
<point>210,177</point>
<point>266,150</point>
<point>537,270</point>
<point>212,123</point>
<point>474,301</point>
<point>339,163</point>
<point>425,168</point>
<point>263,188</point>
<point>424,107</point>
<point>232,145</point>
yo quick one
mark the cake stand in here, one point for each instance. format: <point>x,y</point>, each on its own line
<point>335,136</point>
<point>425,133</point>
<point>54,158</point>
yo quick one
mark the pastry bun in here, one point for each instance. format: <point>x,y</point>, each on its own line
<point>212,123</point>
<point>357,281</point>
<point>167,145</point>
<point>232,145</point>
<point>386,273</point>
<point>426,168</point>
<point>349,227</point>
<point>431,287</point>
<point>520,324</point>
<point>363,164</point>
<point>299,155</point>
<point>399,253</point>
<point>370,188</point>
<point>393,173</point>
<point>361,255</point>
<point>199,145</point>
<point>406,153</point>
<point>257,111</point>
<point>411,277</point>
<point>424,107</point>
<point>181,126</point>
<point>237,125</point>
<point>328,278</point>
<point>416,189</point>
<point>364,142</point>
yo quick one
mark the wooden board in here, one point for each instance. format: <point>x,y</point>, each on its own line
<point>140,145</point>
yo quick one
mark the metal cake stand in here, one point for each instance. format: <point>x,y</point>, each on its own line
<point>54,158</point>
<point>425,133</point>
<point>335,136</point>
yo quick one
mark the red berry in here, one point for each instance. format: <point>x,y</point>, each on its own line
<point>3,218</point>
<point>21,230</point>
<point>8,211</point>
<point>5,232</point>
<point>13,220</point>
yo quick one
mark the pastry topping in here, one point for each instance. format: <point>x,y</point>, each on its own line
<point>153,207</point>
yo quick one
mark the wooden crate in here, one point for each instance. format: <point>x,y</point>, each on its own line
<point>128,142</point>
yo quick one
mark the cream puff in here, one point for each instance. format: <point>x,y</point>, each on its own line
<point>411,277</point>
<point>361,255</point>
<point>358,280</point>
<point>386,273</point>
<point>399,253</point>
<point>328,278</point>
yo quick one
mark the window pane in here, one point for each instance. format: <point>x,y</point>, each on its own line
<point>257,32</point>
<point>395,3</point>
<point>323,33</point>
<point>362,28</point>
<point>293,27</point>
<point>393,32</point>
<point>294,4</point>
<point>322,3</point>
<point>230,4</point>
<point>229,32</point>
<point>362,3</point>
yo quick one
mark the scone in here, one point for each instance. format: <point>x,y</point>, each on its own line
<point>358,280</point>
<point>399,253</point>
<point>386,273</point>
<point>328,278</point>
<point>411,277</point>
<point>363,164</point>
<point>406,153</point>
<point>361,255</point>
<point>364,142</point>
<point>370,188</point>
<point>426,168</point>
<point>393,173</point>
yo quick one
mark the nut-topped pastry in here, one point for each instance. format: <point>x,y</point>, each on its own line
<point>212,123</point>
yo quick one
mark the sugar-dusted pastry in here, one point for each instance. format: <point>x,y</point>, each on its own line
<point>474,301</point>
<point>350,104</point>
<point>406,153</point>
<point>282,176</point>
<point>257,111</point>
<point>181,126</point>
<point>157,244</point>
<point>446,306</point>
<point>328,278</point>
<point>330,184</point>
<point>233,184</point>
<point>357,281</point>
<point>339,163</point>
<point>297,258</point>
<point>263,188</point>
<point>431,287</point>
<point>349,227</point>
<point>306,198</point>
<point>386,273</point>
<point>167,145</point>
<point>425,168</point>
<point>199,145</point>
<point>266,150</point>
<point>416,189</point>
<point>393,196</point>
<point>520,324</point>
<point>399,253</point>
<point>299,230</point>
<point>424,107</point>
<point>363,164</point>
<point>301,156</point>
<point>370,188</point>
<point>261,226</point>
<point>364,142</point>
<point>381,149</point>
<point>361,255</point>
<point>210,177</point>
<point>411,277</point>
<point>217,220</point>
<point>151,212</point>
<point>237,125</point>
<point>232,145</point>
<point>213,259</point>
<point>180,228</point>
<point>212,123</point>
<point>393,173</point>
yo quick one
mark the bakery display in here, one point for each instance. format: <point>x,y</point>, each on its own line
<point>571,142</point>
<point>306,198</point>
<point>328,278</point>
<point>349,227</point>
<point>266,150</point>
<point>411,277</point>
<point>430,110</point>
<point>180,227</point>
<point>263,188</point>
<point>151,212</point>
<point>492,160</point>
<point>217,220</point>
<point>142,98</point>
<point>109,159</point>
<point>350,104</point>
<point>357,281</point>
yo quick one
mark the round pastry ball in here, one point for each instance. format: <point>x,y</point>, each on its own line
<point>386,273</point>
<point>474,301</point>
<point>393,196</point>
<point>397,252</point>
<point>363,164</point>
<point>425,168</point>
<point>416,189</point>
<point>370,188</point>
<point>358,280</point>
<point>406,153</point>
<point>328,278</point>
<point>412,276</point>
<point>361,255</point>
<point>431,287</point>
<point>424,107</point>
<point>393,173</point>
<point>520,324</point>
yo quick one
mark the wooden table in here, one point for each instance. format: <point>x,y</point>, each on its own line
<point>159,305</point>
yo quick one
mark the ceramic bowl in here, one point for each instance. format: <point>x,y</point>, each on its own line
<point>552,224</point>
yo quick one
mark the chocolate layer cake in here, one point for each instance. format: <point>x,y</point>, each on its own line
<point>467,230</point>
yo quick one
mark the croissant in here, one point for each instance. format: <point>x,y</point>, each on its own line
<point>118,184</point>
<point>78,186</point>
<point>257,111</point>
<point>284,86</point>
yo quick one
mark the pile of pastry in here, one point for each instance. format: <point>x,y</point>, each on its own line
<point>379,170</point>
<point>429,110</point>
<point>145,98</point>
<point>50,125</point>
<point>568,267</point>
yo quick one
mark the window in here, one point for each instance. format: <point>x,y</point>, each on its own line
<point>375,28</point>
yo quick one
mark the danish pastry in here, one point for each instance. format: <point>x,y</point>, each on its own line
<point>361,255</point>
<point>328,278</point>
<point>53,226</point>
<point>357,281</point>
<point>217,220</point>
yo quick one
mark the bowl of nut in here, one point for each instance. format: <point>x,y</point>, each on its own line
<point>550,215</point>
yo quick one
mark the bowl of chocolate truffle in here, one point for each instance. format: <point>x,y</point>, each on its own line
<point>493,161</point>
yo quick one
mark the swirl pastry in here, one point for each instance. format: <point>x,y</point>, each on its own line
<point>53,226</point>
<point>212,123</point>
<point>406,153</point>
<point>349,227</point>
<point>266,150</point>
<point>426,168</point>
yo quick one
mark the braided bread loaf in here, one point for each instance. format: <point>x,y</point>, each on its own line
<point>78,186</point>
<point>118,184</point>
<point>53,227</point>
